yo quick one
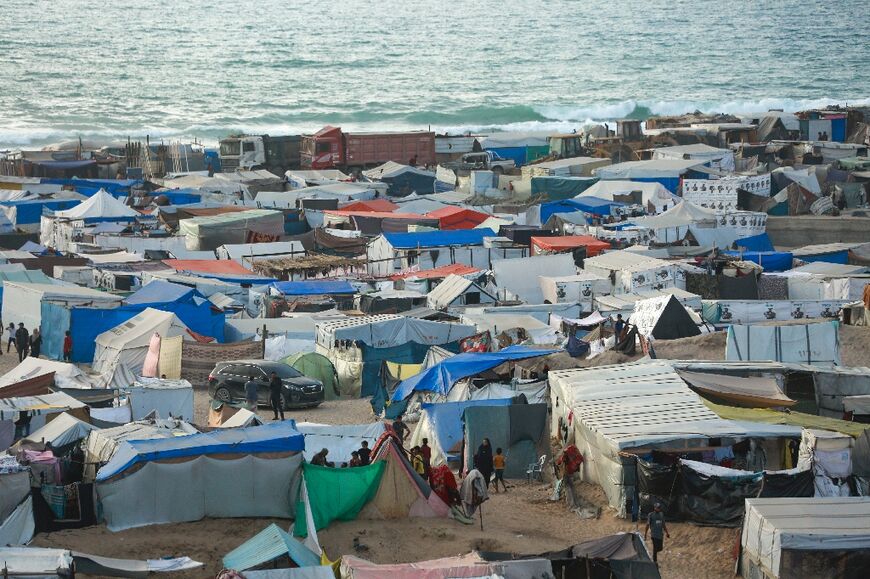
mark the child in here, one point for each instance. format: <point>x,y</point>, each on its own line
<point>498,462</point>
<point>67,347</point>
<point>417,461</point>
<point>354,459</point>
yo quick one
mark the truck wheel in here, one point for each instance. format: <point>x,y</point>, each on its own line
<point>499,170</point>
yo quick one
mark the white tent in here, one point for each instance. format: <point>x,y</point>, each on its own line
<point>65,375</point>
<point>707,226</point>
<point>779,533</point>
<point>814,343</point>
<point>580,287</point>
<point>120,352</point>
<point>60,432</point>
<point>520,276</point>
<point>718,158</point>
<point>662,168</point>
<point>633,272</point>
<point>22,302</point>
<point>343,192</point>
<point>100,205</point>
<point>652,193</point>
<point>456,290</point>
<point>169,398</point>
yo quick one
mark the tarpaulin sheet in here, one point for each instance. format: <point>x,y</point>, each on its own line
<point>313,288</point>
<point>373,358</point>
<point>160,292</point>
<point>338,493</point>
<point>516,429</point>
<point>275,437</point>
<point>760,242</point>
<point>556,187</point>
<point>715,500</point>
<point>817,344</point>
<point>446,418</point>
<point>769,260</point>
<point>441,377</point>
<point>787,484</point>
<point>438,238</point>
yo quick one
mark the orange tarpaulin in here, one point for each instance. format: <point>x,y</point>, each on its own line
<point>438,272</point>
<point>372,205</point>
<point>458,217</point>
<point>593,245</point>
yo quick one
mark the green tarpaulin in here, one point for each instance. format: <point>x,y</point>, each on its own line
<point>319,367</point>
<point>337,493</point>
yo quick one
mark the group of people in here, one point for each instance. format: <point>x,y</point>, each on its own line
<point>26,344</point>
<point>490,464</point>
<point>360,457</point>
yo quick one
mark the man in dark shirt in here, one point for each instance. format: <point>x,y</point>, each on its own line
<point>401,429</point>
<point>275,387</point>
<point>252,393</point>
<point>365,453</point>
<point>22,341</point>
<point>655,525</point>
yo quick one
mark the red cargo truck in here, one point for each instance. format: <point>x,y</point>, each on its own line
<point>330,148</point>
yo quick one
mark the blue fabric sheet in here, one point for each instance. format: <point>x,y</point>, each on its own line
<point>314,288</point>
<point>841,257</point>
<point>275,437</point>
<point>769,260</point>
<point>442,376</point>
<point>760,242</point>
<point>438,238</point>
<point>159,292</point>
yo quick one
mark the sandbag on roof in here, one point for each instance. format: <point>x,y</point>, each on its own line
<point>755,392</point>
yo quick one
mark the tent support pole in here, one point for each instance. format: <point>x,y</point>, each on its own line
<point>481,517</point>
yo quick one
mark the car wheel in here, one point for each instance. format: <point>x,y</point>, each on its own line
<point>498,170</point>
<point>222,394</point>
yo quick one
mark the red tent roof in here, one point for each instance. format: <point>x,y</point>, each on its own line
<point>438,272</point>
<point>458,217</point>
<point>373,205</point>
<point>593,245</point>
<point>207,266</point>
<point>380,214</point>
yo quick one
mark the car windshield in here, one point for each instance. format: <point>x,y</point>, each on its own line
<point>284,371</point>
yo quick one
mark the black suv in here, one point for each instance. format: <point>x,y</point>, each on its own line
<point>227,380</point>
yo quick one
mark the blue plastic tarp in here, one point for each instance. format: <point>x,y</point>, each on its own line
<point>29,211</point>
<point>438,238</point>
<point>441,377</point>
<point>161,292</point>
<point>760,242</point>
<point>314,288</point>
<point>841,257</point>
<point>275,437</point>
<point>769,260</point>
<point>446,418</point>
<point>591,205</point>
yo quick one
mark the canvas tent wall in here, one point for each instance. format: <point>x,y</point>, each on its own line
<point>225,473</point>
<point>653,196</point>
<point>582,287</point>
<point>718,158</point>
<point>668,172</point>
<point>519,277</point>
<point>804,537</point>
<point>169,398</point>
<point>319,367</point>
<point>589,407</point>
<point>22,302</point>
<point>663,318</point>
<point>456,290</point>
<point>815,344</point>
<point>121,352</point>
<point>516,428</point>
<point>633,272</point>
<point>209,233</point>
<point>340,440</point>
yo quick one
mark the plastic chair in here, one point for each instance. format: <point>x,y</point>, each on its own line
<point>536,469</point>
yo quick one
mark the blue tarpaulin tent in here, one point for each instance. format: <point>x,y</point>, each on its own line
<point>275,437</point>
<point>561,187</point>
<point>840,257</point>
<point>438,238</point>
<point>446,418</point>
<point>313,288</point>
<point>769,260</point>
<point>160,292</point>
<point>29,211</point>
<point>591,205</point>
<point>760,242</point>
<point>441,377</point>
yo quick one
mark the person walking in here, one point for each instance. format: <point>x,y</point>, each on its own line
<point>35,343</point>
<point>655,523</point>
<point>22,341</point>
<point>252,395</point>
<point>11,340</point>
<point>498,463</point>
<point>401,429</point>
<point>483,460</point>
<point>275,388</point>
<point>67,347</point>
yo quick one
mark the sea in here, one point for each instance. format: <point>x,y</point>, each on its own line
<point>201,69</point>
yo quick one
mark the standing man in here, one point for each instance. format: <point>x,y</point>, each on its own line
<point>11,340</point>
<point>252,393</point>
<point>426,453</point>
<point>401,429</point>
<point>275,387</point>
<point>35,343</point>
<point>656,522</point>
<point>22,341</point>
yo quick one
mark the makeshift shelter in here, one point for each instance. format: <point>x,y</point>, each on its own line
<point>169,398</point>
<point>121,352</point>
<point>516,428</point>
<point>441,423</point>
<point>653,196</point>
<point>667,172</point>
<point>402,493</point>
<point>250,251</point>
<point>23,302</point>
<point>35,562</point>
<point>209,233</point>
<point>519,277</point>
<point>815,344</point>
<point>451,217</point>
<point>270,545</point>
<point>64,375</point>
<point>755,392</point>
<point>805,537</point>
<point>319,367</point>
<point>61,434</point>
<point>232,472</point>
<point>566,243</point>
<point>522,147</point>
<point>633,272</point>
<point>358,346</point>
<point>471,565</point>
<point>581,287</point>
<point>709,228</point>
<point>717,158</point>
<point>560,186</point>
<point>17,525</point>
<point>455,290</point>
<point>403,180</point>
<point>663,318</point>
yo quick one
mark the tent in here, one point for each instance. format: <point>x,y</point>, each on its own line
<point>230,472</point>
<point>319,367</point>
<point>16,505</point>
<point>472,566</point>
<point>769,260</point>
<point>99,207</point>
<point>753,392</point>
<point>668,172</point>
<point>169,398</point>
<point>663,318</point>
<point>313,288</point>
<point>520,276</point>
<point>580,287</point>
<point>806,537</point>
<point>65,375</point>
<point>441,423</point>
<point>515,428</point>
<point>270,545</point>
<point>340,440</point>
<point>653,195</point>
<point>23,302</point>
<point>718,158</point>
<point>61,433</point>
<point>543,245</point>
<point>35,562</point>
<point>401,492</point>
<point>121,352</point>
<point>456,290</point>
<point>403,179</point>
<point>209,233</point>
<point>817,344</point>
<point>632,272</point>
<point>441,377</point>
<point>451,217</point>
